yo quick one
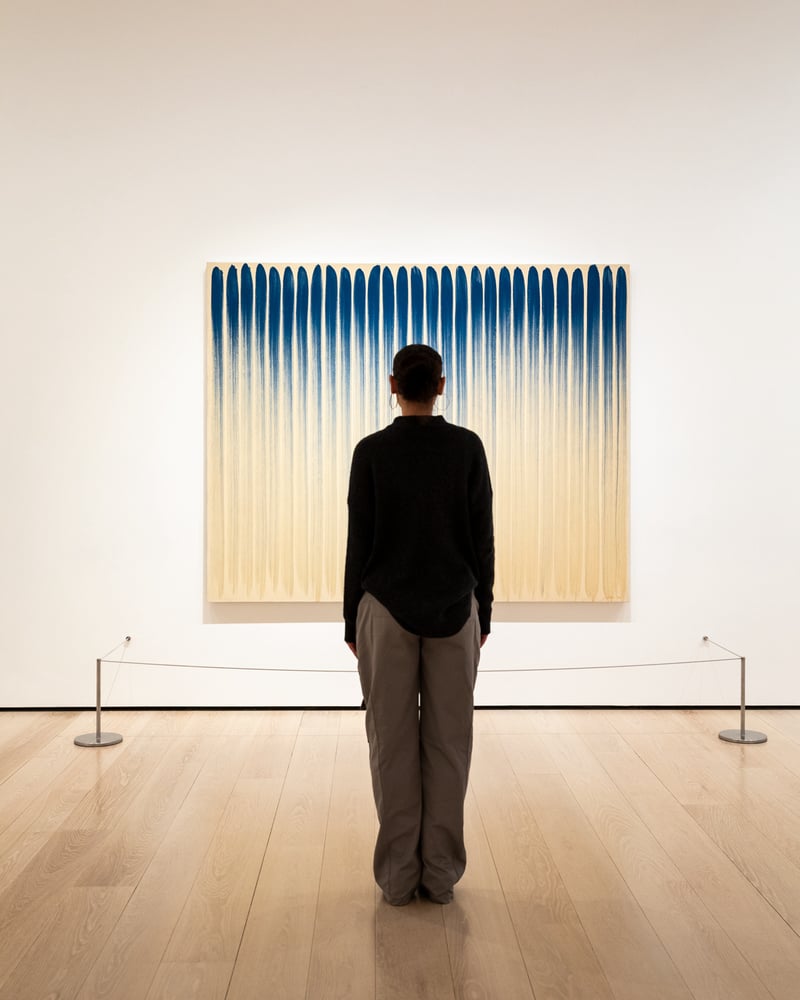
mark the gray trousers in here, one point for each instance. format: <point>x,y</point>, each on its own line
<point>419,701</point>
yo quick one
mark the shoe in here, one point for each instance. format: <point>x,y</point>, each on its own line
<point>401,900</point>
<point>442,898</point>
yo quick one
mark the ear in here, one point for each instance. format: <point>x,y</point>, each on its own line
<point>393,384</point>
<point>440,387</point>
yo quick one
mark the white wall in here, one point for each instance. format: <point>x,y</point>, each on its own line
<point>141,140</point>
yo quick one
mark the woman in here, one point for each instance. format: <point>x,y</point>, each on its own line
<point>417,609</point>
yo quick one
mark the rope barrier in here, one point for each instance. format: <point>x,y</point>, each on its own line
<point>481,673</point>
<point>109,739</point>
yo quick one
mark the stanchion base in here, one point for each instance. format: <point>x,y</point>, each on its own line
<point>91,740</point>
<point>735,736</point>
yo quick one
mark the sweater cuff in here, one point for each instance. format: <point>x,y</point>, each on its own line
<point>349,631</point>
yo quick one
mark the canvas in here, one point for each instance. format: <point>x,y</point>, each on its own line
<point>298,359</point>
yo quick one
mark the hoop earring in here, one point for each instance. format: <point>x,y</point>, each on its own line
<point>392,402</point>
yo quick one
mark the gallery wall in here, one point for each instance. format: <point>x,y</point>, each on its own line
<point>143,140</point>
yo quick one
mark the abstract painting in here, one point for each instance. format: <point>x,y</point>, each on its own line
<point>298,359</point>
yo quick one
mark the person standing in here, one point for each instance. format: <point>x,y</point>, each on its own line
<point>419,573</point>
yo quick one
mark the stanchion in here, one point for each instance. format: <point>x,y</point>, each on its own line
<point>742,734</point>
<point>98,738</point>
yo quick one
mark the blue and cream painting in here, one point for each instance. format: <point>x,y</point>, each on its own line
<point>298,362</point>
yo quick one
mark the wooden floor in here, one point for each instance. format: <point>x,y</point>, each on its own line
<point>613,855</point>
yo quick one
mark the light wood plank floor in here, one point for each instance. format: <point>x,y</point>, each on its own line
<point>613,855</point>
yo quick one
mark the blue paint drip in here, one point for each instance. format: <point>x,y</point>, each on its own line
<point>401,290</point>
<point>345,321</point>
<point>360,334</point>
<point>288,329</point>
<point>217,331</point>
<point>518,326</point>
<point>331,309</point>
<point>417,306</point>
<point>460,338</point>
<point>578,353</point>
<point>562,331</point>
<point>608,345</point>
<point>504,313</point>
<point>345,337</point>
<point>621,332</point>
<point>232,303</point>
<point>360,312</point>
<point>261,321</point>
<point>433,329</point>
<point>374,321</point>
<point>593,341</point>
<point>447,328</point>
<point>490,339</point>
<point>301,326</point>
<point>388,314</point>
<point>274,328</point>
<point>246,313</point>
<point>534,315</point>
<point>315,327</point>
<point>548,323</point>
<point>621,338</point>
<point>476,305</point>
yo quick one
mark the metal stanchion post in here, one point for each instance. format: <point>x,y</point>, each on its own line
<point>97,738</point>
<point>742,734</point>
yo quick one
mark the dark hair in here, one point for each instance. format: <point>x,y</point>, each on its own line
<point>417,369</point>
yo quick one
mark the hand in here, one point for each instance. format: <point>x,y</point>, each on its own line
<point>483,639</point>
<point>352,647</point>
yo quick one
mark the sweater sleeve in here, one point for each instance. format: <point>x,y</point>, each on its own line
<point>483,538</point>
<point>360,529</point>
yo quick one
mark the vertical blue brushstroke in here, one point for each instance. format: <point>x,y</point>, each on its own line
<point>274,327</point>
<point>621,339</point>
<point>360,314</point>
<point>548,324</point>
<point>373,324</point>
<point>534,317</point>
<point>620,327</point>
<point>448,367</point>
<point>217,332</point>
<point>288,331</point>
<point>360,332</point>
<point>476,308</point>
<point>387,291</point>
<point>345,339</point>
<point>261,321</point>
<point>504,314</point>
<point>345,321</point>
<point>331,311</point>
<point>562,332</point>
<point>246,313</point>
<point>460,339</point>
<point>593,341</point>
<point>315,329</point>
<point>232,303</point>
<point>432,326</point>
<point>401,290</point>
<point>301,326</point>
<point>417,306</point>
<point>608,345</point>
<point>489,352</point>
<point>518,326</point>
<point>578,353</point>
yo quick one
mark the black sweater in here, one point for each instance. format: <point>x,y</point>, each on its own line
<point>420,535</point>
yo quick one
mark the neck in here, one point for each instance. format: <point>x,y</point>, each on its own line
<point>409,409</point>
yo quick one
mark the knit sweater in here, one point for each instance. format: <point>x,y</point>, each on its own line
<point>420,535</point>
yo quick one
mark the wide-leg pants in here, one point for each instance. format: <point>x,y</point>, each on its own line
<point>419,700</point>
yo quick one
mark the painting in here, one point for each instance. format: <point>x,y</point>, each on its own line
<point>298,359</point>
